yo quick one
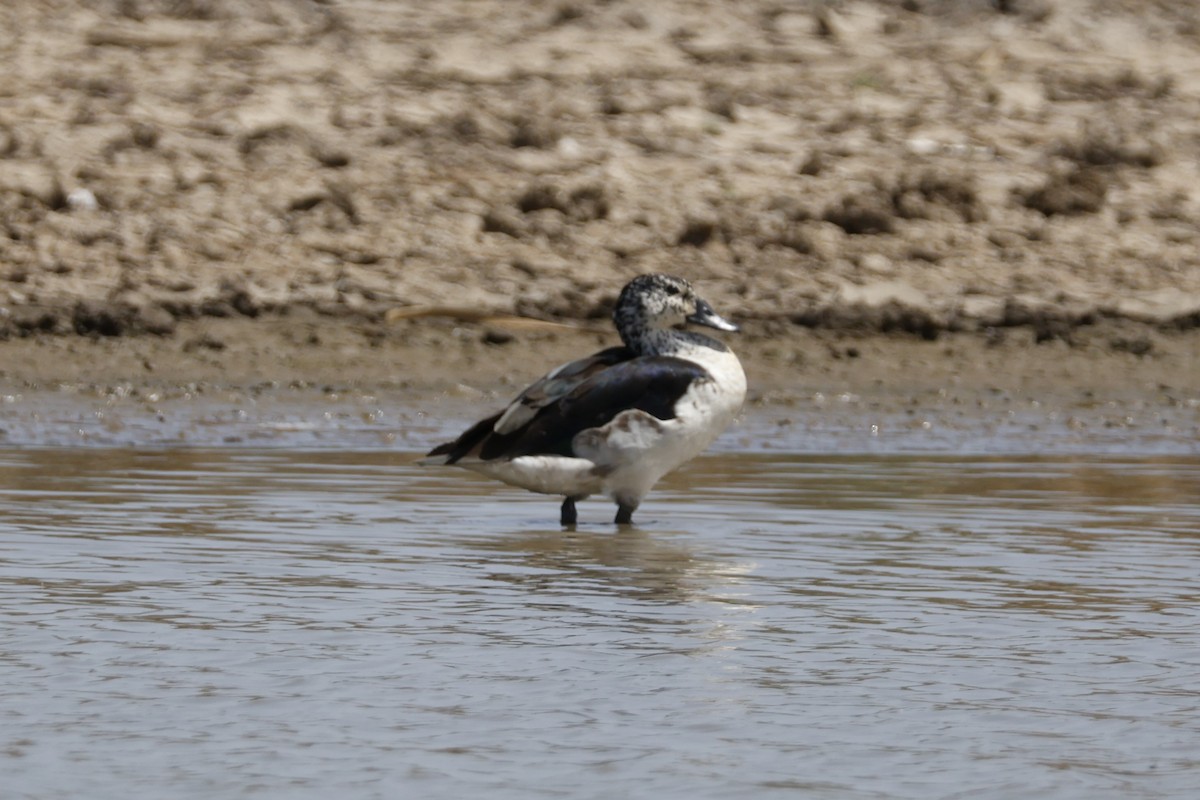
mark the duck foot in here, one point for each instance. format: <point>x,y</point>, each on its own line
<point>624,514</point>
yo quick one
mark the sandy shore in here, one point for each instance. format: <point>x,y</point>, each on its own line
<point>916,203</point>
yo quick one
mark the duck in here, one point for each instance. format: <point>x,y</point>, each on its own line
<point>615,422</point>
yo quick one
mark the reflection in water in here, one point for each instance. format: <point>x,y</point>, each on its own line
<point>207,623</point>
<point>635,563</point>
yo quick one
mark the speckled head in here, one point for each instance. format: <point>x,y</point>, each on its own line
<point>657,301</point>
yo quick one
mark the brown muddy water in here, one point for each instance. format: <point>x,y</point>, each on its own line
<point>306,623</point>
<point>286,607</point>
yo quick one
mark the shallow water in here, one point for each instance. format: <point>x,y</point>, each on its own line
<point>282,624</point>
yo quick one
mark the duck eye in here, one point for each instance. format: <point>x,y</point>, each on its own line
<point>672,290</point>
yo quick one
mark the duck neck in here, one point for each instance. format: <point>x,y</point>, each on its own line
<point>646,341</point>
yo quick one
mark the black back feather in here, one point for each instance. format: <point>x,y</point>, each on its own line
<point>651,384</point>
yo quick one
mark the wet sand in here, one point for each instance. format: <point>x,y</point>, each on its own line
<point>335,383</point>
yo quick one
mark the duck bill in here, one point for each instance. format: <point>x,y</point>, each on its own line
<point>706,316</point>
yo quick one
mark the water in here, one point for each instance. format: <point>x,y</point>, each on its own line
<point>291,624</point>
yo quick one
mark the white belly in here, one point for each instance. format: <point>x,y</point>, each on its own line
<point>570,477</point>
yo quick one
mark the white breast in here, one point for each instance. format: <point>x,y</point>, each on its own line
<point>638,449</point>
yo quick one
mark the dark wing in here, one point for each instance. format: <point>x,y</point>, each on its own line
<point>521,411</point>
<point>651,384</point>
<point>556,384</point>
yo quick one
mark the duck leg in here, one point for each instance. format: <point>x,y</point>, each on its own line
<point>569,515</point>
<point>624,514</point>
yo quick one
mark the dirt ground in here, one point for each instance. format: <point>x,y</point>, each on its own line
<point>900,198</point>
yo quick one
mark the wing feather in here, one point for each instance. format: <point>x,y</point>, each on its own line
<point>555,385</point>
<point>650,383</point>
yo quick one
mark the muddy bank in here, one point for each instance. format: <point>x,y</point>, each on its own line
<point>310,381</point>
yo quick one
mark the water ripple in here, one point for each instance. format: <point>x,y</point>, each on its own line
<point>289,624</point>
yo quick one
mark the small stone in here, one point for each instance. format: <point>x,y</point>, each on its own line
<point>156,320</point>
<point>1082,191</point>
<point>1136,345</point>
<point>81,199</point>
<point>876,262</point>
<point>697,231</point>
<point>102,318</point>
<point>35,181</point>
<point>497,337</point>
<point>30,319</point>
<point>496,220</point>
<point>330,157</point>
<point>203,342</point>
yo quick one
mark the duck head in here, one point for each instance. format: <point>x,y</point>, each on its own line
<point>659,301</point>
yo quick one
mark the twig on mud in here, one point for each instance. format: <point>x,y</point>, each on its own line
<point>475,315</point>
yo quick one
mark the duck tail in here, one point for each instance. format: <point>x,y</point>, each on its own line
<point>466,445</point>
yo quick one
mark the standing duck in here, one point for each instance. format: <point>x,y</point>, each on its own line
<point>617,421</point>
